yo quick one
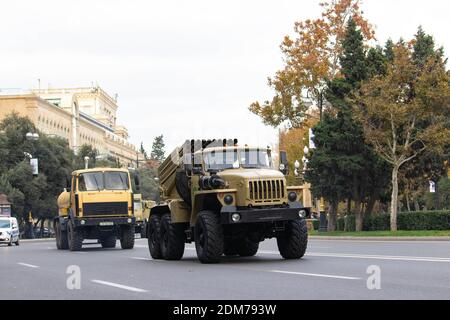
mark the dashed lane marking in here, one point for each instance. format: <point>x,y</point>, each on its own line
<point>27,265</point>
<point>119,286</point>
<point>315,275</point>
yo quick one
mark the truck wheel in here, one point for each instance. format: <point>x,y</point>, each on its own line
<point>172,239</point>
<point>108,242</point>
<point>144,230</point>
<point>247,248</point>
<point>62,243</point>
<point>75,237</point>
<point>293,242</point>
<point>154,244</point>
<point>127,237</point>
<point>208,237</point>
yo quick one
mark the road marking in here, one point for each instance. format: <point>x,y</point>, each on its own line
<point>28,265</point>
<point>120,286</point>
<point>140,246</point>
<point>315,275</point>
<point>140,258</point>
<point>379,257</point>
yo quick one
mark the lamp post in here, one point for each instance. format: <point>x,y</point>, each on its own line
<point>86,162</point>
<point>32,137</point>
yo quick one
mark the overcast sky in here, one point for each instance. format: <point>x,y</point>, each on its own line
<point>185,69</point>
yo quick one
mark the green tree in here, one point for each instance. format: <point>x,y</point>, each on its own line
<point>403,112</point>
<point>341,149</point>
<point>142,150</point>
<point>158,152</point>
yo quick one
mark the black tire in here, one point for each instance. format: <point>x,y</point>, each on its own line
<point>17,243</point>
<point>144,230</point>
<point>127,237</point>
<point>154,243</point>
<point>247,248</point>
<point>10,243</point>
<point>62,242</point>
<point>108,242</point>
<point>292,243</point>
<point>209,241</point>
<point>229,249</point>
<point>182,185</point>
<point>75,237</point>
<point>172,239</point>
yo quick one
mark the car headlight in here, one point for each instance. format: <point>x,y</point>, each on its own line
<point>236,217</point>
<point>302,213</point>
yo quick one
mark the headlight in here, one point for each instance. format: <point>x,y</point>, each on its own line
<point>228,199</point>
<point>82,222</point>
<point>236,217</point>
<point>292,196</point>
<point>302,213</point>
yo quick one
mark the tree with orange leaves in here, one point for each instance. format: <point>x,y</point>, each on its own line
<point>310,60</point>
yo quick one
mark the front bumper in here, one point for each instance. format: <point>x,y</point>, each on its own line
<point>258,215</point>
<point>106,222</point>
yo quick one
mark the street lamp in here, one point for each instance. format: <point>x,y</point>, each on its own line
<point>86,162</point>
<point>297,167</point>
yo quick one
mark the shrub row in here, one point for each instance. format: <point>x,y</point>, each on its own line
<point>407,221</point>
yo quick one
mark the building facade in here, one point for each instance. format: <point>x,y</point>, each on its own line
<point>79,115</point>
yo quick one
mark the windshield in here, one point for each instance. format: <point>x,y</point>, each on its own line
<point>234,159</point>
<point>96,181</point>
<point>5,224</point>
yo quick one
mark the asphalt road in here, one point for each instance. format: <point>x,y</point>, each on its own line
<point>331,270</point>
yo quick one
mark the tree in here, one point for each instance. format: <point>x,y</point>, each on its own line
<point>142,150</point>
<point>310,60</point>
<point>341,148</point>
<point>26,192</point>
<point>403,112</point>
<point>158,152</point>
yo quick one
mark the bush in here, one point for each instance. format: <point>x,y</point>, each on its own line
<point>407,221</point>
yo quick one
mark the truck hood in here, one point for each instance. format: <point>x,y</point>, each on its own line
<point>251,174</point>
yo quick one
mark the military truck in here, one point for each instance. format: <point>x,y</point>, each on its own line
<point>227,199</point>
<point>142,213</point>
<point>98,205</point>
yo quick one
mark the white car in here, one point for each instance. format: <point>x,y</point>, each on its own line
<point>9,231</point>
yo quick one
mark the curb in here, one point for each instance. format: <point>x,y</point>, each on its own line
<point>380,238</point>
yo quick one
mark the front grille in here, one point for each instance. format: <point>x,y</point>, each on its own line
<point>267,190</point>
<point>105,209</point>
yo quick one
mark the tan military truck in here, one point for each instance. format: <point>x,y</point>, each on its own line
<point>99,205</point>
<point>227,199</point>
<point>142,213</point>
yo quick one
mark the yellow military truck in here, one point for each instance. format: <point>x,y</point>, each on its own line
<point>98,205</point>
<point>227,199</point>
<point>142,213</point>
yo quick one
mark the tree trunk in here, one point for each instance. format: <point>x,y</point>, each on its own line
<point>332,218</point>
<point>358,215</point>
<point>437,204</point>
<point>349,205</point>
<point>394,199</point>
<point>416,205</point>
<point>407,201</point>
<point>370,205</point>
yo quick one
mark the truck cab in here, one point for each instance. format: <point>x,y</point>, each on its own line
<point>98,205</point>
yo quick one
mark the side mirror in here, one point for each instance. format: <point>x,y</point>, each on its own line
<point>284,164</point>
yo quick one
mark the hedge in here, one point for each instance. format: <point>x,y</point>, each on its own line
<point>407,221</point>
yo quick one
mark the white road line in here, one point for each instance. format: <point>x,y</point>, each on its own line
<point>379,257</point>
<point>120,286</point>
<point>315,275</point>
<point>140,258</point>
<point>28,265</point>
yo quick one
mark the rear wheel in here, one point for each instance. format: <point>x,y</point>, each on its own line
<point>127,237</point>
<point>209,237</point>
<point>62,242</point>
<point>75,237</point>
<point>154,243</point>
<point>292,243</point>
<point>108,242</point>
<point>172,238</point>
<point>247,248</point>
